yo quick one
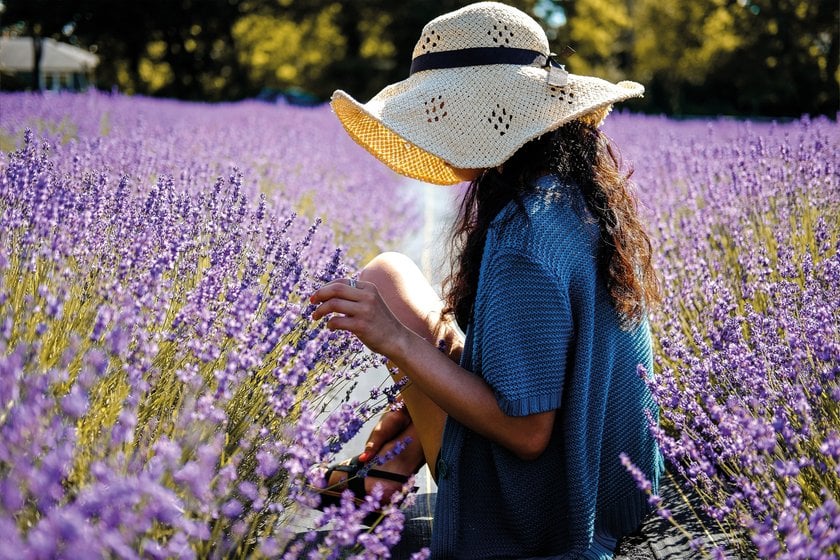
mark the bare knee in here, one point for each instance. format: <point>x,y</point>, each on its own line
<point>389,269</point>
<point>398,280</point>
<point>406,291</point>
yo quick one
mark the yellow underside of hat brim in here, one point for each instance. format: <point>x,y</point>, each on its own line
<point>484,115</point>
<point>393,150</point>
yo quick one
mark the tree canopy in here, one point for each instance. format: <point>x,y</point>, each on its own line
<point>746,57</point>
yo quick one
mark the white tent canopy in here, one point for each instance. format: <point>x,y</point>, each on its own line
<point>62,65</point>
<point>17,55</point>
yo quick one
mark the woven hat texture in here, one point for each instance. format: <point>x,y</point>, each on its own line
<point>440,120</point>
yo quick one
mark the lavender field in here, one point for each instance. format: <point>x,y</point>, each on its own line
<point>746,221</point>
<point>165,394</point>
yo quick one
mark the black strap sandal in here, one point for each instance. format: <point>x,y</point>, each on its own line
<point>356,484</point>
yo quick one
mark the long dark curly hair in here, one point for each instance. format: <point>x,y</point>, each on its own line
<point>583,155</point>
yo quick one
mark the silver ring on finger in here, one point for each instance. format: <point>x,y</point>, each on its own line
<point>352,282</point>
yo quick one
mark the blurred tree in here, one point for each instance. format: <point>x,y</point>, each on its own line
<point>601,33</point>
<point>173,48</point>
<point>176,48</point>
<point>310,45</point>
<point>788,60</point>
<point>367,43</point>
<point>279,53</point>
<point>753,57</point>
<point>682,45</point>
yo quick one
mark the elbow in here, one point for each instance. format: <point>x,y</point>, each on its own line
<point>532,435</point>
<point>529,447</point>
<point>529,455</point>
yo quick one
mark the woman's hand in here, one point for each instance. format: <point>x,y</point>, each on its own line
<point>391,424</point>
<point>463,395</point>
<point>358,308</point>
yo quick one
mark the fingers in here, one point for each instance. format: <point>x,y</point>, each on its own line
<point>340,288</point>
<point>361,311</point>
<point>340,297</point>
<point>339,323</point>
<point>371,449</point>
<point>390,426</point>
<point>380,435</point>
<point>336,297</point>
<point>343,306</point>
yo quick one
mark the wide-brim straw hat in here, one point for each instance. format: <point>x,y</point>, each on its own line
<point>483,83</point>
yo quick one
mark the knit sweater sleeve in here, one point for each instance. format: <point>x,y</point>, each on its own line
<point>526,332</point>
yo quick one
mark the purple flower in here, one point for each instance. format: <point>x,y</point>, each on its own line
<point>160,373</point>
<point>232,509</point>
<point>267,464</point>
<point>746,377</point>
<point>75,403</point>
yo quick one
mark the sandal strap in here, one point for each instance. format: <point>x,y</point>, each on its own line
<point>396,477</point>
<point>349,469</point>
<point>352,468</point>
<point>355,465</point>
<point>356,484</point>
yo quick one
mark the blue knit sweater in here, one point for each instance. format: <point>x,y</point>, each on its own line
<point>545,336</point>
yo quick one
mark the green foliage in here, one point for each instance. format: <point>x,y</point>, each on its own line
<point>600,32</point>
<point>756,57</point>
<point>280,53</point>
<point>765,57</point>
<point>681,52</point>
<point>748,57</point>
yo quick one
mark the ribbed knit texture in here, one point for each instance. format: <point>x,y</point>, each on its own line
<point>545,336</point>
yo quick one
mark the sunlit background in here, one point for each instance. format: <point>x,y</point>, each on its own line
<point>738,57</point>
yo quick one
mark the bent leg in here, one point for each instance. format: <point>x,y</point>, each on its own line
<point>415,303</point>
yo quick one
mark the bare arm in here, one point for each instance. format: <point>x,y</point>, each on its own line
<point>469,399</point>
<point>460,393</point>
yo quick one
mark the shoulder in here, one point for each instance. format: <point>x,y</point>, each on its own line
<point>552,224</point>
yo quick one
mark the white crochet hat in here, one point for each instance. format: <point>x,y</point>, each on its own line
<point>482,84</point>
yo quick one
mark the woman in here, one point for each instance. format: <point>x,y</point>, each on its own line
<point>521,421</point>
